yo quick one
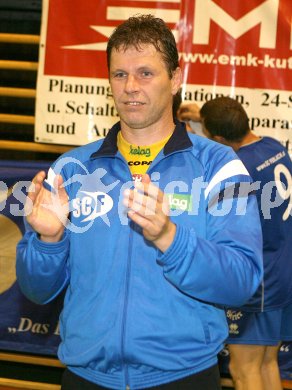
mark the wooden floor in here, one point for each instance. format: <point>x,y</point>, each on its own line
<point>226,382</point>
<point>11,384</point>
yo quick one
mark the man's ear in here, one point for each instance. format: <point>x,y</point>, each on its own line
<point>176,80</point>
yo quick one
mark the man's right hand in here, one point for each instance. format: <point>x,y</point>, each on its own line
<point>47,211</point>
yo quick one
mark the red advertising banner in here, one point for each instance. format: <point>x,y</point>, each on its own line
<point>78,38</point>
<point>243,50</point>
<point>239,44</point>
<point>240,49</point>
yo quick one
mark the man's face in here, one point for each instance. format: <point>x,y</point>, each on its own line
<point>141,87</point>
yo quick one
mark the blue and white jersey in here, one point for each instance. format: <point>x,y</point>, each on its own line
<point>270,166</point>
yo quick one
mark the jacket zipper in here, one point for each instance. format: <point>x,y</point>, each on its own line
<point>125,308</point>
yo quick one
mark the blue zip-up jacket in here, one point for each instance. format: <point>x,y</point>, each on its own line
<point>134,316</point>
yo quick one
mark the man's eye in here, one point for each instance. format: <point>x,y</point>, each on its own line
<point>119,75</point>
<point>146,73</point>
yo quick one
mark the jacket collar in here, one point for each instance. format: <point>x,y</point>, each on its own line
<point>177,142</point>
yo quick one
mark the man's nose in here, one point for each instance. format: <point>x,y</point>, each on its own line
<point>132,84</point>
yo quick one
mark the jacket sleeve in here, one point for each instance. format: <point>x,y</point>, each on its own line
<point>224,267</point>
<point>41,268</point>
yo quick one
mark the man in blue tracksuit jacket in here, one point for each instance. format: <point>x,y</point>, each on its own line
<point>148,264</point>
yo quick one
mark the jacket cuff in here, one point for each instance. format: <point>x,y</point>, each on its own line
<point>178,247</point>
<point>51,247</point>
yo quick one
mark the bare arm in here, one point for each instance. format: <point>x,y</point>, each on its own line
<point>189,112</point>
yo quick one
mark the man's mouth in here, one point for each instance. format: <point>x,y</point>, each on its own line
<point>134,104</point>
